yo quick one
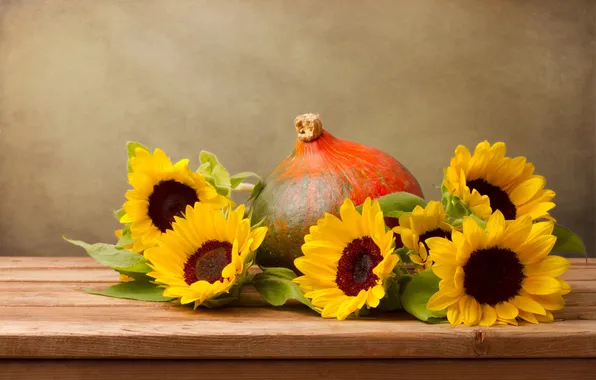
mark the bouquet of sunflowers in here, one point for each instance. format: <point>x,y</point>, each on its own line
<point>344,229</point>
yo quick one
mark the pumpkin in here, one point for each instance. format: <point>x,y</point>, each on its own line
<point>316,178</point>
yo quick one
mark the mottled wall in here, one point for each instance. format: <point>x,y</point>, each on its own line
<point>415,78</point>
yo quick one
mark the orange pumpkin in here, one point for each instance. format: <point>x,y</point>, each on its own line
<point>319,174</point>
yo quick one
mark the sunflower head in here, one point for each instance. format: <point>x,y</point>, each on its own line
<point>347,261</point>
<point>488,181</point>
<point>422,223</point>
<point>498,275</point>
<point>161,191</point>
<point>205,254</point>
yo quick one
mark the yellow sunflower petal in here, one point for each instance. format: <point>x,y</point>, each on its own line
<point>258,234</point>
<point>528,304</point>
<point>553,302</point>
<point>474,234</point>
<point>565,287</point>
<point>516,232</point>
<point>331,309</point>
<point>351,218</point>
<point>506,310</point>
<point>439,301</point>
<point>470,309</point>
<point>444,271</point>
<point>495,229</point>
<point>314,269</point>
<point>526,190</point>
<point>489,316</point>
<point>545,318</point>
<point>552,266</point>
<point>442,250</point>
<point>454,315</point>
<point>541,285</point>
<point>528,317</point>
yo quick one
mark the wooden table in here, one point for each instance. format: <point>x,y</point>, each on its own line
<point>69,334</point>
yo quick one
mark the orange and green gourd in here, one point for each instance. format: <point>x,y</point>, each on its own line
<point>316,178</point>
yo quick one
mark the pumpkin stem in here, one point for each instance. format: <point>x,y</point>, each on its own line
<point>308,127</point>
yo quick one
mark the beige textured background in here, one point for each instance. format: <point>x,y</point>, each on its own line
<point>415,78</point>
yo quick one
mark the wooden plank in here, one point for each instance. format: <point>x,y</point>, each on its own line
<point>22,294</point>
<point>66,294</point>
<point>100,274</point>
<point>544,369</point>
<point>45,314</point>
<point>21,262</point>
<point>83,271</point>
<point>165,331</point>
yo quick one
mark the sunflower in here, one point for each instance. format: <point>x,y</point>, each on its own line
<point>161,191</point>
<point>423,223</point>
<point>347,261</point>
<point>498,275</point>
<point>488,181</point>
<point>205,254</point>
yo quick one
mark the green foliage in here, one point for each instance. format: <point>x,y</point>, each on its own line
<point>454,207</point>
<point>126,238</point>
<point>276,287</point>
<point>238,178</point>
<point>398,202</point>
<point>131,148</point>
<point>391,301</point>
<point>217,175</point>
<point>567,241</point>
<point>121,260</point>
<point>416,294</point>
<point>136,290</point>
<point>118,214</point>
<point>256,190</point>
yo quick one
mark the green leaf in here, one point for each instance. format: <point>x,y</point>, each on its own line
<point>119,214</point>
<point>455,208</point>
<point>285,273</point>
<point>436,321</point>
<point>237,178</point>
<point>214,303</point>
<point>122,260</point>
<point>258,224</point>
<point>278,290</point>
<point>226,298</point>
<point>404,255</point>
<point>256,190</point>
<point>221,190</point>
<point>136,290</point>
<point>395,214</point>
<point>131,148</point>
<point>400,201</point>
<point>416,294</point>
<point>567,241</point>
<point>211,165</point>
<point>215,173</point>
<point>391,301</point>
<point>126,237</point>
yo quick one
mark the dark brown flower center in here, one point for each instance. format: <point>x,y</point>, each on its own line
<point>169,199</point>
<point>437,232</point>
<point>208,262</point>
<point>499,200</point>
<point>493,275</point>
<point>391,222</point>
<point>355,268</point>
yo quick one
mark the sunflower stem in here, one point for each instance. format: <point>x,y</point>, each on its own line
<point>245,187</point>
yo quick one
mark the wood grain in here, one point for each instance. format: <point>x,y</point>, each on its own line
<point>45,314</point>
<point>297,369</point>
